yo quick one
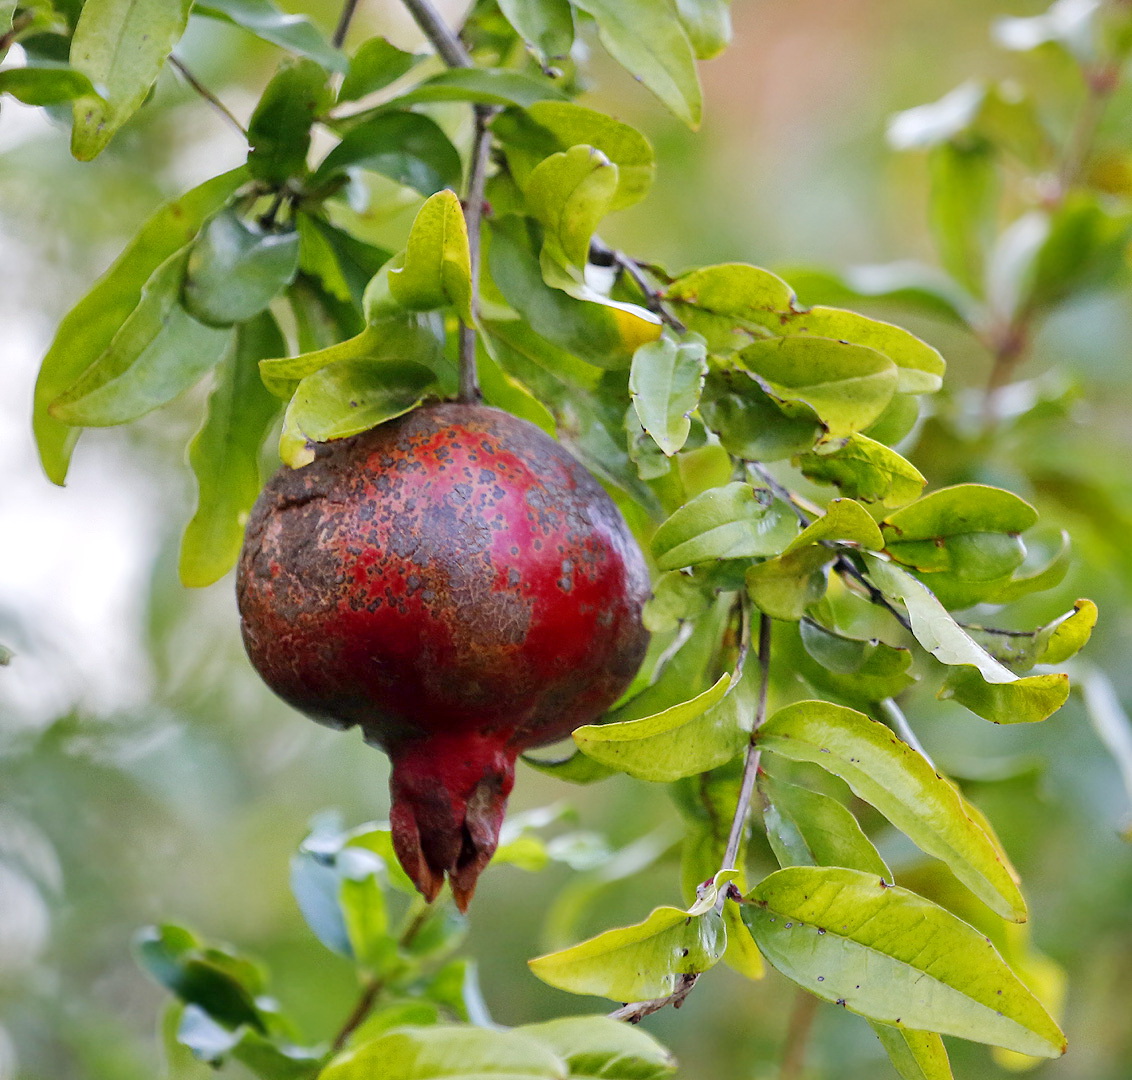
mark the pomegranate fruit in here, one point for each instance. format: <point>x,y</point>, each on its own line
<point>455,584</point>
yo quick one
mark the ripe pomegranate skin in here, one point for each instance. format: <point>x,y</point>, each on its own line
<point>459,587</point>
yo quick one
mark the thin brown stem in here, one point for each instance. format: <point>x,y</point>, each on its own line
<point>636,1011</point>
<point>439,33</point>
<point>603,255</point>
<point>798,1035</point>
<point>179,66</point>
<point>349,7</point>
<point>370,993</point>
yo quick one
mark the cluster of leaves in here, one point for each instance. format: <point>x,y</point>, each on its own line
<point>682,393</point>
<point>420,1012</point>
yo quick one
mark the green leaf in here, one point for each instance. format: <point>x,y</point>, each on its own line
<point>344,265</point>
<point>506,392</point>
<point>1053,643</point>
<point>347,398</point>
<point>447,1052</point>
<point>707,24</point>
<point>120,46</point>
<point>731,304</point>
<point>882,951</point>
<point>236,269</point>
<point>684,740</point>
<point>366,919</point>
<point>224,455</point>
<point>848,386</point>
<point>651,45</point>
<point>785,587</point>
<point>1025,701</point>
<point>546,127</point>
<point>970,529</point>
<point>866,671</point>
<point>374,66</point>
<point>295,33</point>
<point>597,1048</point>
<point>279,132</point>
<point>899,782</point>
<point>46,83</point>
<point>408,148</point>
<point>603,335</point>
<point>437,270</point>
<point>844,521</point>
<point>569,193</point>
<point>547,26</point>
<point>213,1042</point>
<point>750,424</point>
<point>87,330</point>
<point>665,383</point>
<point>808,828</point>
<point>864,469</point>
<point>640,962</point>
<point>915,1055</point>
<point>964,197</point>
<point>482,86</point>
<point>159,351</point>
<point>730,522</point>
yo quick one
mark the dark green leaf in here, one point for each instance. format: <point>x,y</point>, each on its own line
<point>964,197</point>
<point>236,269</point>
<point>224,455</point>
<point>212,1042</point>
<point>295,33</point>
<point>375,65</point>
<point>750,424</point>
<point>46,83</point>
<point>280,127</point>
<point>120,46</point>
<point>407,147</point>
<point>159,351</point>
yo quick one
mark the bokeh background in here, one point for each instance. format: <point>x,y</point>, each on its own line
<point>146,775</point>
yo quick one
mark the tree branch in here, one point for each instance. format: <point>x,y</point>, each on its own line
<point>603,255</point>
<point>179,66</point>
<point>349,7</point>
<point>439,33</point>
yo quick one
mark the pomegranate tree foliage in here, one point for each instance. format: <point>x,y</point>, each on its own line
<point>751,440</point>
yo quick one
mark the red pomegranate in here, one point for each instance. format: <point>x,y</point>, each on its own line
<point>458,586</point>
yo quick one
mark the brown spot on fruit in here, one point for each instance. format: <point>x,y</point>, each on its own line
<point>457,615</point>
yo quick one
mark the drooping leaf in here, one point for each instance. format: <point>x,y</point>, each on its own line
<point>1024,701</point>
<point>915,1055</point>
<point>437,268</point>
<point>882,951</point>
<point>864,469</point>
<point>859,671</point>
<point>407,147</point>
<point>159,351</point>
<point>374,66</point>
<point>1053,643</point>
<point>224,455</point>
<point>652,46</point>
<point>347,398</point>
<point>46,83</point>
<point>236,269</point>
<point>458,1052</point>
<point>729,304</point>
<point>279,132</point>
<point>87,330</point>
<point>844,521</point>
<point>639,962</point>
<point>847,386</point>
<point>665,381</point>
<point>120,46</point>
<point>569,193</point>
<point>730,522</point>
<point>899,782</point>
<point>597,1048</point>
<point>752,425</point>
<point>295,33</point>
<point>546,25</point>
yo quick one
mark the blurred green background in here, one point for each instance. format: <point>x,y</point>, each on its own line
<point>145,774</point>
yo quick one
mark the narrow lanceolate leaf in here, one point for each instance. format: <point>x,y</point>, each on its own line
<point>684,740</point>
<point>224,455</point>
<point>545,25</point>
<point>864,469</point>
<point>665,383</point>
<point>899,782</point>
<point>596,1047</point>
<point>89,327</point>
<point>437,270</point>
<point>650,44</point>
<point>460,1052</point>
<point>848,386</point>
<point>569,193</point>
<point>636,963</point>
<point>121,46</point>
<point>730,522</point>
<point>160,351</point>
<point>295,33</point>
<point>915,1055</point>
<point>45,83</point>
<point>236,269</point>
<point>348,398</point>
<point>985,686</point>
<point>886,953</point>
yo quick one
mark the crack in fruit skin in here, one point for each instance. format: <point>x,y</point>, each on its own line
<point>458,586</point>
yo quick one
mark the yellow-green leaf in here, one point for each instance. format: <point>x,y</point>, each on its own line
<point>437,270</point>
<point>915,1055</point>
